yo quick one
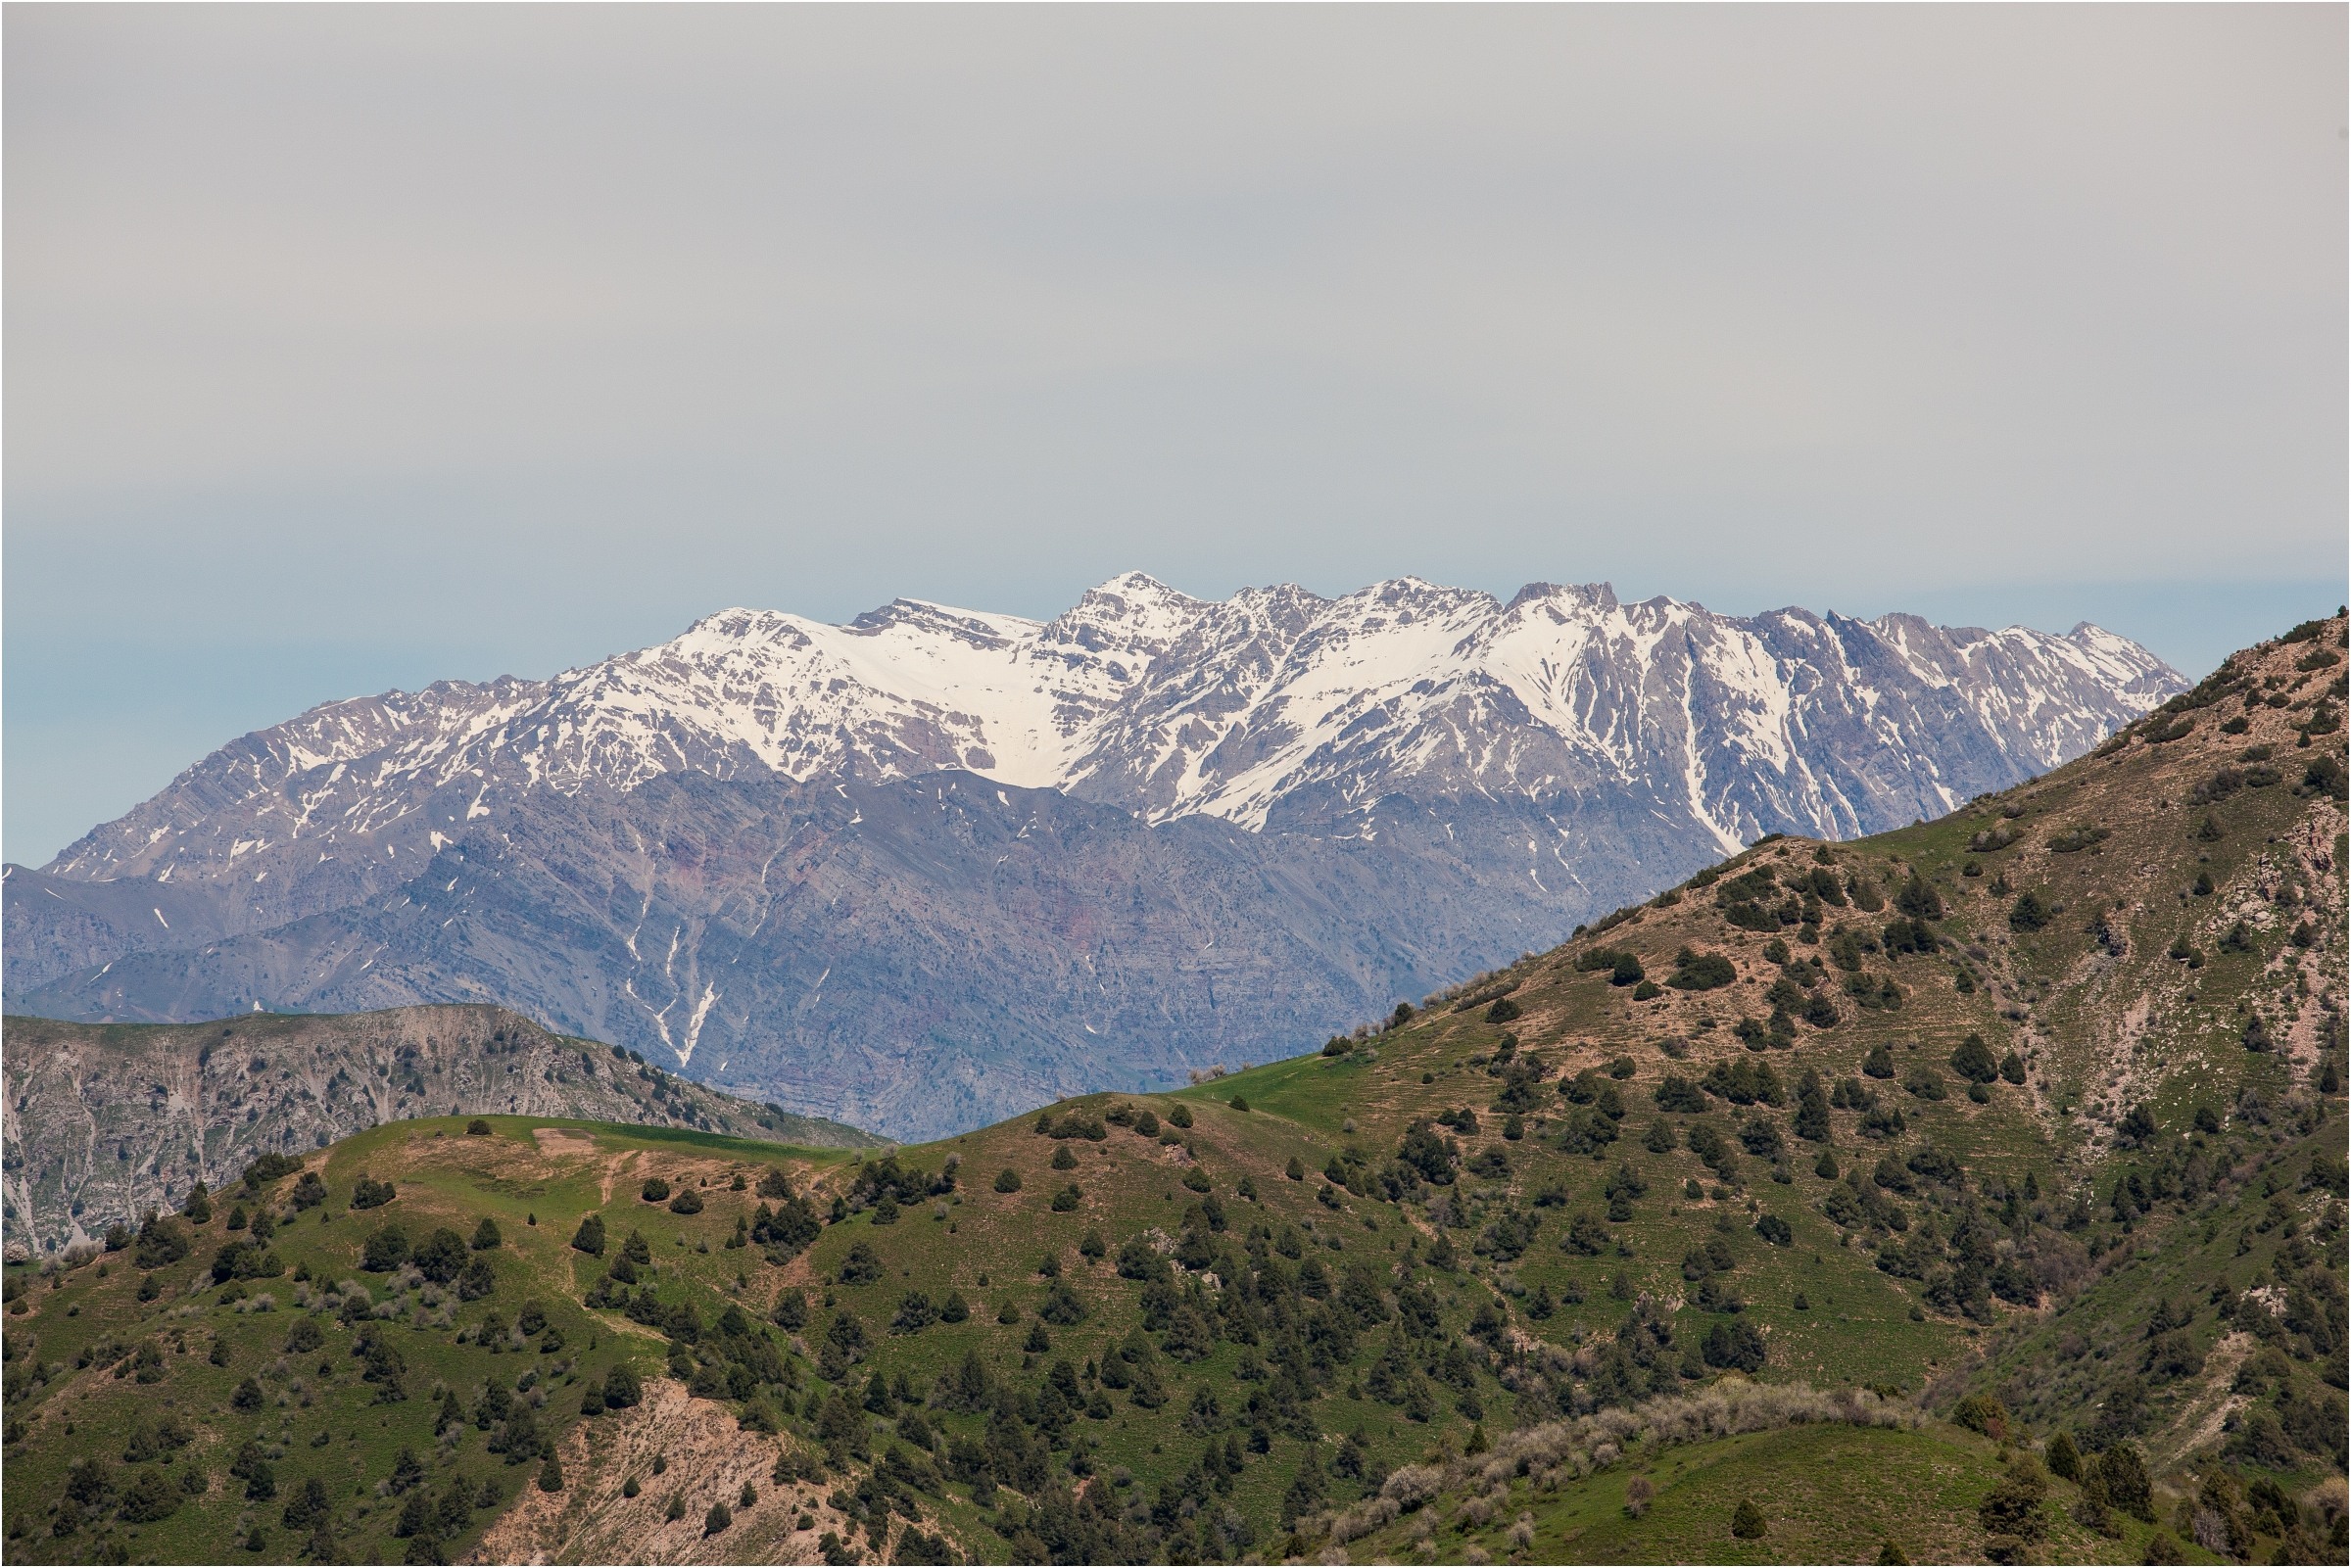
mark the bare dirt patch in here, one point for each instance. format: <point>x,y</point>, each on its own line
<point>2202,1421</point>
<point>707,1460</point>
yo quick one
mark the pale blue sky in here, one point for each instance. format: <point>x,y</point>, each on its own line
<point>353,348</point>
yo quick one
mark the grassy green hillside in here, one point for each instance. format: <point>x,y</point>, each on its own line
<point>2017,1135</point>
<point>123,1372</point>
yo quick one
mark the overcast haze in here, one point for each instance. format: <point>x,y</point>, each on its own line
<point>355,347</point>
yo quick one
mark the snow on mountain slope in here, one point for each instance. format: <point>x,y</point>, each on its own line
<point>932,866</point>
<point>1169,705</point>
<point>1406,685</point>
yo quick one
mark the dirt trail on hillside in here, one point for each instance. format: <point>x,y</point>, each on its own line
<point>613,1170</point>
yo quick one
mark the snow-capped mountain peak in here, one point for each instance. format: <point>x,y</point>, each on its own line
<point>1143,697</point>
<point>762,842</point>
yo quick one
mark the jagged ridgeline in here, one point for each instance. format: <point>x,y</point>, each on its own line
<point>927,869</point>
<point>1971,1191</point>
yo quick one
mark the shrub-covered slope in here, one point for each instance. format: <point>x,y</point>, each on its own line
<point>1934,1124</point>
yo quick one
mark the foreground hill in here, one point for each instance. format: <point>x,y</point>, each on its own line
<point>935,865</point>
<point>1904,1193</point>
<point>105,1123</point>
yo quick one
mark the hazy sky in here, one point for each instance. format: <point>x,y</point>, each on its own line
<point>350,348</point>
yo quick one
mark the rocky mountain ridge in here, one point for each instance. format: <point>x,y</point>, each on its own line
<point>1409,758</point>
<point>1142,698</point>
<point>105,1123</point>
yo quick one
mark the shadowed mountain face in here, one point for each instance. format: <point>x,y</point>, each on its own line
<point>928,868</point>
<point>916,957</point>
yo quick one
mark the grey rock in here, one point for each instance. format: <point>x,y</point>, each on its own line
<point>104,1123</point>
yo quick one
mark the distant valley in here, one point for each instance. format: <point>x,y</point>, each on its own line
<point>922,871</point>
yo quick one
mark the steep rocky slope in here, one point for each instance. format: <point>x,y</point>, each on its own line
<point>105,1123</point>
<point>1031,821</point>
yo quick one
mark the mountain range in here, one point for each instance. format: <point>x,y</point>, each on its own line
<point>1971,1192</point>
<point>935,865</point>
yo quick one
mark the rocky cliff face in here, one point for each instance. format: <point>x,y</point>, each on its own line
<point>931,865</point>
<point>103,1122</point>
